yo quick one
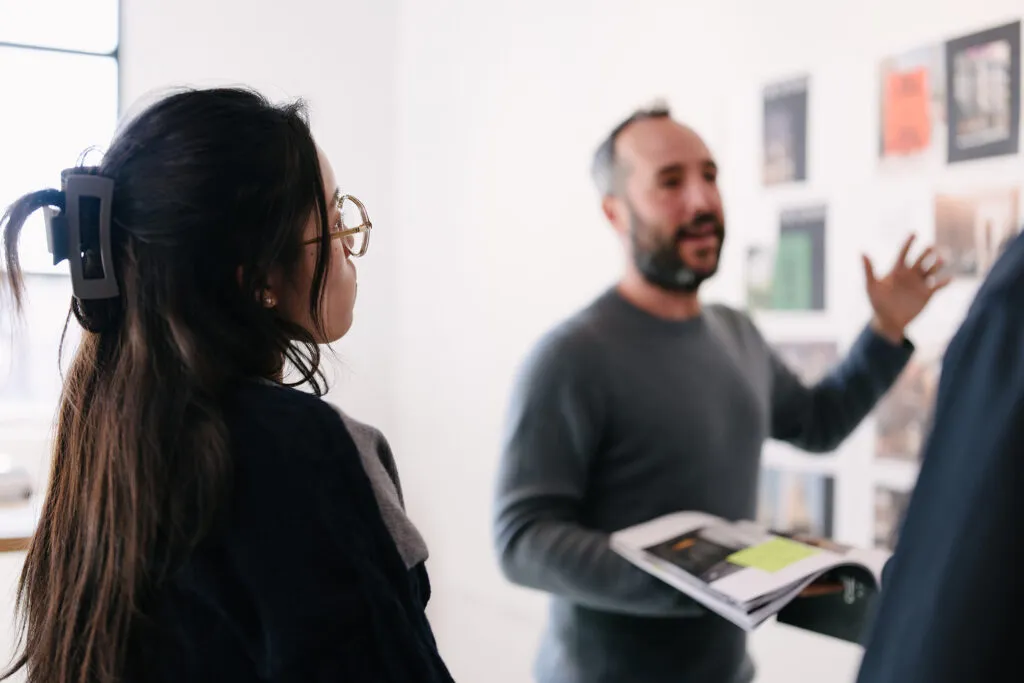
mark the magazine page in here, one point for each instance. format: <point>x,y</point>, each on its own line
<point>689,585</point>
<point>872,559</point>
<point>739,562</point>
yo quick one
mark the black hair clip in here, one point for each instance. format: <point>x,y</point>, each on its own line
<point>80,226</point>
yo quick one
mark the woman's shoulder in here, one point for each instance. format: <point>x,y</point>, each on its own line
<point>268,418</point>
<point>369,439</point>
<point>293,457</point>
<point>256,394</point>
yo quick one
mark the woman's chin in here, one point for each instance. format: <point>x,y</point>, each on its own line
<point>338,329</point>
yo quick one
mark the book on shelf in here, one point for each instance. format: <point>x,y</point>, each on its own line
<point>748,574</point>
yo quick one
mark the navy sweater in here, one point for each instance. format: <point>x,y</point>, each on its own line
<point>951,598</point>
<point>301,581</point>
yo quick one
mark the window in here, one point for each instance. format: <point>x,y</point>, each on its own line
<point>59,79</point>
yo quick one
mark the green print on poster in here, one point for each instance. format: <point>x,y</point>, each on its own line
<point>792,286</point>
<point>799,277</point>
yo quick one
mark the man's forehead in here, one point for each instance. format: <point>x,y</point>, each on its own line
<point>661,142</point>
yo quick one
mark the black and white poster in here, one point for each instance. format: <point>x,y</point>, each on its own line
<point>785,132</point>
<point>983,93</point>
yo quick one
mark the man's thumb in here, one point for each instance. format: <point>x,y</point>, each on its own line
<point>869,270</point>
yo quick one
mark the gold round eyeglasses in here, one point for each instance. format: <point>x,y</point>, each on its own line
<point>353,228</point>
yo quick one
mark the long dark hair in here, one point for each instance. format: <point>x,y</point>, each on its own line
<point>212,189</point>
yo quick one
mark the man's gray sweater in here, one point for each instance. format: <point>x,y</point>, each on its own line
<point>619,417</point>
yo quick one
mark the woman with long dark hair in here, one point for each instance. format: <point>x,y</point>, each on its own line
<point>204,520</point>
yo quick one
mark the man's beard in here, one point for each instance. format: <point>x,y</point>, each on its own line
<point>659,260</point>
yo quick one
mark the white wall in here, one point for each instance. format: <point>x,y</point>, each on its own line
<point>467,127</point>
<point>340,58</point>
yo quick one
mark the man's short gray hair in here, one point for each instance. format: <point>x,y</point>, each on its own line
<point>604,167</point>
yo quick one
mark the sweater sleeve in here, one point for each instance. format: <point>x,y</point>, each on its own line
<point>818,418</point>
<point>949,608</point>
<point>554,428</point>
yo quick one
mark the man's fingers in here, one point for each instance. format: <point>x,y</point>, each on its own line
<point>923,258</point>
<point>904,250</point>
<point>934,268</point>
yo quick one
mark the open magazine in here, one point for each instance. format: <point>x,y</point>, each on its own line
<point>747,574</point>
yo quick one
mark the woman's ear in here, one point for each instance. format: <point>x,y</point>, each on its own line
<point>265,295</point>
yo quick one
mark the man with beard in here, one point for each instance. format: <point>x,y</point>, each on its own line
<point>648,402</point>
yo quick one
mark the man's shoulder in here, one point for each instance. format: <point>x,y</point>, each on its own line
<point>728,313</point>
<point>578,331</point>
<point>734,321</point>
<point>574,334</point>
<point>570,345</point>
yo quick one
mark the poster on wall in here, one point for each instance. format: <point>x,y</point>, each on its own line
<point>810,361</point>
<point>983,93</point>
<point>785,132</point>
<point>973,228</point>
<point>890,508</point>
<point>903,416</point>
<point>796,502</point>
<point>798,276</point>
<point>912,104</point>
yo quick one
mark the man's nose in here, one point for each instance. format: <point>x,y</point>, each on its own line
<point>696,198</point>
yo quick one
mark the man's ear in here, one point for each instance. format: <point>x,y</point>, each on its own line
<point>614,210</point>
<point>608,208</point>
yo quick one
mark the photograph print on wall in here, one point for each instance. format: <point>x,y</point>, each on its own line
<point>785,132</point>
<point>983,93</point>
<point>973,228</point>
<point>903,416</point>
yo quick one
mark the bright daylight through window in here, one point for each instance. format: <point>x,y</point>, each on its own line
<point>59,79</point>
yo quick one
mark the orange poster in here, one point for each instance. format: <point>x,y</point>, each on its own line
<point>906,119</point>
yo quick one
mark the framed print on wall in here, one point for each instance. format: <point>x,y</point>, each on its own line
<point>983,93</point>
